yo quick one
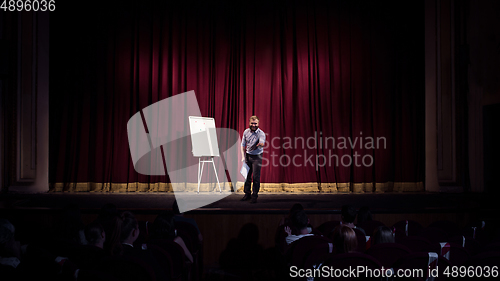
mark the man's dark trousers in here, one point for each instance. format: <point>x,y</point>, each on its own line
<point>254,162</point>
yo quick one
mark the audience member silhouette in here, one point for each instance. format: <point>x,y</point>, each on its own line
<point>344,239</point>
<point>348,215</point>
<point>130,233</point>
<point>242,254</point>
<point>300,221</point>
<point>364,214</point>
<point>178,216</point>
<point>36,264</point>
<point>164,228</point>
<point>109,219</point>
<point>382,234</point>
<point>288,219</point>
<point>91,255</point>
<point>68,232</point>
<point>95,234</point>
<point>10,251</point>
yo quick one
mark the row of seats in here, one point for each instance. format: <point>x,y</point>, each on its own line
<point>115,246</point>
<point>414,247</point>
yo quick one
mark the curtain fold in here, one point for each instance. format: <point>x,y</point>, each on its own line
<point>338,87</point>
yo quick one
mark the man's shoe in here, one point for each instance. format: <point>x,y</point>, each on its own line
<point>253,201</point>
<point>246,197</point>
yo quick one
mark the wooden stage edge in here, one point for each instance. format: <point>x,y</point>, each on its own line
<point>268,202</point>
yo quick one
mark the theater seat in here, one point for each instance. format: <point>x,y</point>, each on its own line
<point>301,249</point>
<point>418,244</point>
<point>434,235</point>
<point>458,254</point>
<point>420,260</point>
<point>347,261</point>
<point>485,259</point>
<point>451,228</point>
<point>388,253</point>
<point>361,240</point>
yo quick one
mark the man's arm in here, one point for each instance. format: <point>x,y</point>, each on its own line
<point>242,154</point>
<point>243,146</point>
<point>262,140</point>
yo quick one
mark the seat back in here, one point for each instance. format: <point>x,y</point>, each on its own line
<point>388,253</point>
<point>471,245</point>
<point>451,228</point>
<point>418,244</point>
<point>165,260</point>
<point>300,249</point>
<point>347,261</point>
<point>176,253</point>
<point>361,240</point>
<point>127,268</point>
<point>188,232</point>
<point>458,254</point>
<point>485,259</point>
<point>434,235</point>
<point>418,263</point>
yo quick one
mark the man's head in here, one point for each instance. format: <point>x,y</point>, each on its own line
<point>130,228</point>
<point>300,220</point>
<point>348,214</point>
<point>296,207</point>
<point>164,226</point>
<point>95,235</point>
<point>254,123</point>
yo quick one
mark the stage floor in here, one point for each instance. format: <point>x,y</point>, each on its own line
<point>327,203</point>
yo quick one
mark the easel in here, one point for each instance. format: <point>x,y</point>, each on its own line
<point>203,147</point>
<point>200,171</point>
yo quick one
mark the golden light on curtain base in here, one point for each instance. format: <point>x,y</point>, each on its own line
<point>265,187</point>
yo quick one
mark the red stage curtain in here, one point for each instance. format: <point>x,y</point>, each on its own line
<point>330,69</point>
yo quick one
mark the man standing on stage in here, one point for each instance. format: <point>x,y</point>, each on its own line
<point>253,139</point>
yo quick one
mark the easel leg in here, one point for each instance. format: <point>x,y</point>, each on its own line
<point>217,177</point>
<point>200,172</point>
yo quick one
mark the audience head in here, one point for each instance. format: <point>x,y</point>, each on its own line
<point>108,210</point>
<point>382,234</point>
<point>164,226</point>
<point>344,239</point>
<point>249,234</point>
<point>7,231</point>
<point>348,214</point>
<point>129,228</point>
<point>300,220</point>
<point>95,234</point>
<point>364,214</point>
<point>9,247</point>
<point>296,207</point>
<point>111,223</point>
